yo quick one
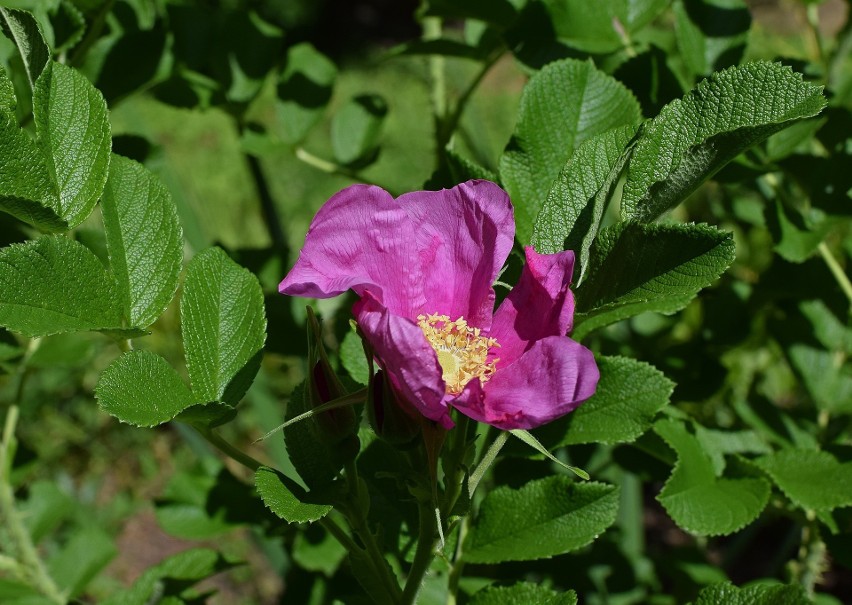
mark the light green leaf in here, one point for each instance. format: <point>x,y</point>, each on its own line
<point>717,444</point>
<point>86,553</point>
<point>699,502</point>
<point>522,592</point>
<point>353,358</point>
<point>142,389</point>
<point>545,517</point>
<point>637,267</point>
<point>796,235</point>
<point>629,395</point>
<point>761,594</point>
<point>23,30</point>
<point>286,499</point>
<point>826,375</point>
<point>356,127</point>
<point>144,240</point>
<point>534,443</point>
<point>693,137</point>
<point>564,104</point>
<point>811,479</point>
<point>52,285</point>
<point>304,90</point>
<point>223,325</point>
<point>571,214</point>
<point>74,135</point>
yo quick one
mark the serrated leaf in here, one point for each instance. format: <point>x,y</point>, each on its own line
<point>572,212</point>
<point>564,104</point>
<point>52,285</point>
<point>637,267</point>
<point>693,137</point>
<point>522,592</point>
<point>23,30</point>
<point>304,89</point>
<point>811,479</point>
<point>144,240</point>
<point>142,389</point>
<point>629,395</point>
<point>86,553</point>
<point>717,444</point>
<point>224,326</point>
<point>545,517</point>
<point>207,415</point>
<point>8,100</point>
<point>761,594</point>
<point>73,131</point>
<point>699,502</point>
<point>356,127</point>
<point>286,499</point>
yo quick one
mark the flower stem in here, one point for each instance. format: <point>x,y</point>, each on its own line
<point>30,565</point>
<point>424,554</point>
<point>223,446</point>
<point>458,563</point>
<point>331,168</point>
<point>837,271</point>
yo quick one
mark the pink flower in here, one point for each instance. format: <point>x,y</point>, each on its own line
<point>423,266</point>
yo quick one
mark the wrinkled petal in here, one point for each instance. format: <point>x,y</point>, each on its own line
<point>360,239</point>
<point>409,361</point>
<point>465,235</point>
<point>540,305</point>
<point>551,379</point>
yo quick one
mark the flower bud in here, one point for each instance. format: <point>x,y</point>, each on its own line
<point>388,415</point>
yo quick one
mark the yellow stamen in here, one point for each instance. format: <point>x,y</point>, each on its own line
<point>462,350</point>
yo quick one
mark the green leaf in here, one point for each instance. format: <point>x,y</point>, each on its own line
<point>23,30</point>
<point>761,594</point>
<point>637,267</point>
<point>52,285</point>
<point>811,479</point>
<point>286,499</point>
<point>223,325</point>
<point>8,100</point>
<point>717,444</point>
<point>693,137</point>
<point>207,415</point>
<point>593,27</point>
<point>571,214</point>
<point>711,34</point>
<point>498,12</point>
<point>356,127</point>
<point>825,375</point>
<point>522,592</point>
<point>310,453</point>
<point>317,550</point>
<point>144,240</point>
<point>304,90</point>
<point>828,329</point>
<point>564,104</point>
<point>45,508</point>
<point>73,131</point>
<point>796,236</point>
<point>86,553</point>
<point>353,358</point>
<point>142,389</point>
<point>629,395</point>
<point>699,502</point>
<point>545,517</point>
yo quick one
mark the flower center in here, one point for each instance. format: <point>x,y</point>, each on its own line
<point>462,351</point>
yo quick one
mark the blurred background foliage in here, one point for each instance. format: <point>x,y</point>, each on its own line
<point>253,113</point>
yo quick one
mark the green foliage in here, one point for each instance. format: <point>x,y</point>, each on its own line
<point>728,594</point>
<point>522,592</point>
<point>286,499</point>
<point>356,127</point>
<point>544,518</point>
<point>303,90</point>
<point>812,479</point>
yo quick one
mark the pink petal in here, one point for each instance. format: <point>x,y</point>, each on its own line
<point>465,234</point>
<point>409,361</point>
<point>540,305</point>
<point>551,379</point>
<point>360,239</point>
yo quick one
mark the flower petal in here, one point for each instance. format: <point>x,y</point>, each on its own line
<point>360,239</point>
<point>466,234</point>
<point>540,305</point>
<point>551,379</point>
<point>409,361</point>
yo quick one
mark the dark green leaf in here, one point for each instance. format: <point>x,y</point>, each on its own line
<point>811,479</point>
<point>141,388</point>
<point>638,267</point>
<point>760,594</point>
<point>694,137</point>
<point>522,592</point>
<point>545,517</point>
<point>144,240</point>
<point>223,325</point>
<point>304,90</point>
<point>699,502</point>
<point>52,285</point>
<point>286,499</point>
<point>564,104</point>
<point>23,30</point>
<point>711,34</point>
<point>311,454</point>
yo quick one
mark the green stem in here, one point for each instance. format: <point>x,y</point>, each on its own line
<point>31,564</point>
<point>837,271</point>
<point>92,34</point>
<point>458,563</point>
<point>223,446</point>
<point>811,562</point>
<point>331,168</point>
<point>424,554</point>
<point>454,482</point>
<point>486,462</point>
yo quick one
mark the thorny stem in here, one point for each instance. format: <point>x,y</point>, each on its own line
<point>30,565</point>
<point>837,272</point>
